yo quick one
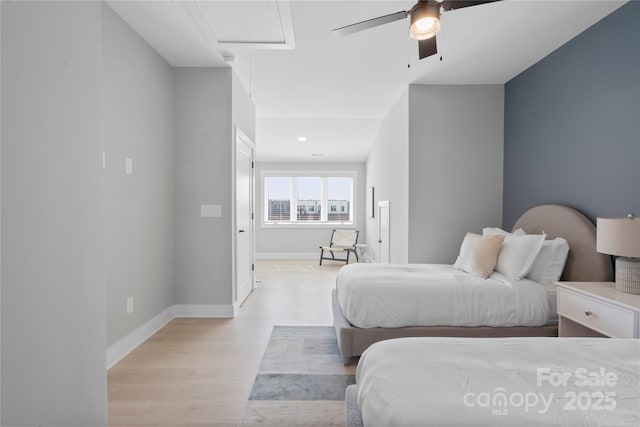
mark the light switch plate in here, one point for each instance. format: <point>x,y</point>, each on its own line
<point>210,211</point>
<point>128,166</point>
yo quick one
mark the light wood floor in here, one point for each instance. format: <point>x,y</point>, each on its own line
<point>199,372</point>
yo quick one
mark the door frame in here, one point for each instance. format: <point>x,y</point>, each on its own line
<point>241,138</point>
<point>383,204</point>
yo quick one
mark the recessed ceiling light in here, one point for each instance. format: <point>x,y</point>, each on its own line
<point>302,138</point>
<point>317,154</point>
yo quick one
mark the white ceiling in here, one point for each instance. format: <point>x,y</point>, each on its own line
<point>305,81</point>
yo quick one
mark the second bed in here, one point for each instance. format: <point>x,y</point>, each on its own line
<point>375,302</point>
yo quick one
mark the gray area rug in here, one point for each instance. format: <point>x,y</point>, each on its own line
<point>301,380</point>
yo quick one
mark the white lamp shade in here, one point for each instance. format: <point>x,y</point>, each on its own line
<point>619,237</point>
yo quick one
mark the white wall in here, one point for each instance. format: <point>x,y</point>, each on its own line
<point>207,105</point>
<point>0,215</point>
<point>243,109</point>
<point>387,172</point>
<point>202,175</point>
<point>455,167</point>
<point>303,242</point>
<point>77,82</point>
<point>53,297</point>
<point>437,158</point>
<point>136,122</point>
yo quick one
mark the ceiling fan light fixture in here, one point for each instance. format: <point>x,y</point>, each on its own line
<point>425,20</point>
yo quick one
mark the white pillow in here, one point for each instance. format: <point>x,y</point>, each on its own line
<point>478,254</point>
<point>549,264</point>
<point>518,254</point>
<point>495,230</point>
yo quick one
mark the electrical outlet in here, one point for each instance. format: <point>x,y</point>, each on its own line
<point>129,305</point>
<point>128,166</point>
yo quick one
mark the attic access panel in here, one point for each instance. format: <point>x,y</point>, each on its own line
<point>249,23</point>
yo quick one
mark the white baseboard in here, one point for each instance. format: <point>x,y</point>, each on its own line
<point>204,310</point>
<point>236,307</point>
<point>131,341</point>
<point>126,345</point>
<point>288,255</point>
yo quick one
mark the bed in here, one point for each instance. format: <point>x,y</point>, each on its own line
<point>538,381</point>
<point>583,264</point>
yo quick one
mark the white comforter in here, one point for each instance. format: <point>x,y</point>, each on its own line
<point>392,296</point>
<point>500,381</point>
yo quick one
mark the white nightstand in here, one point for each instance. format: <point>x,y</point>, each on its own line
<point>597,309</point>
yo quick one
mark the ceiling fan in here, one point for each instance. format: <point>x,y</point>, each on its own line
<point>425,22</point>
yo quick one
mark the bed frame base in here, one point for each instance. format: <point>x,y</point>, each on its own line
<point>352,341</point>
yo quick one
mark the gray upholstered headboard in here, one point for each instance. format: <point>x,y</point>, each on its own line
<point>584,263</point>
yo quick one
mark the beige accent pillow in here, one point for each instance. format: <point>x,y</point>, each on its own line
<point>479,254</point>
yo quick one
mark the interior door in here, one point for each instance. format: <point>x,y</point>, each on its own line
<point>244,252</point>
<point>383,232</point>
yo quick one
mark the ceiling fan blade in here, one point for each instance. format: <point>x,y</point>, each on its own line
<point>370,23</point>
<point>459,4</point>
<point>427,47</point>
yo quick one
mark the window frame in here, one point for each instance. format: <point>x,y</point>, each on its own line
<point>293,222</point>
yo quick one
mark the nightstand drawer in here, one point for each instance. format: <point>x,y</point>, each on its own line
<point>595,314</point>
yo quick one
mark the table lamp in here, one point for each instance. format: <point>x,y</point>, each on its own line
<point>621,237</point>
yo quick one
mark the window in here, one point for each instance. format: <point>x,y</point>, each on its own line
<point>339,192</point>
<point>309,193</point>
<point>308,198</point>
<point>279,208</point>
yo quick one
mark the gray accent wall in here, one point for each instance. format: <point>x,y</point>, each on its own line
<point>455,167</point>
<point>272,242</point>
<point>388,174</point>
<point>53,296</point>
<point>572,124</point>
<point>137,123</point>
